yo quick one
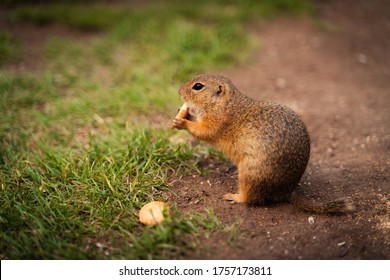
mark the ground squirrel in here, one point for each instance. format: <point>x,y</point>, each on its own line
<point>268,142</point>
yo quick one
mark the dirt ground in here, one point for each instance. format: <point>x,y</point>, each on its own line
<point>336,74</point>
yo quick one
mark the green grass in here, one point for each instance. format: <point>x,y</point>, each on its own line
<point>81,203</point>
<point>84,140</point>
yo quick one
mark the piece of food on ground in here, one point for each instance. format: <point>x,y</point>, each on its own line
<point>152,213</point>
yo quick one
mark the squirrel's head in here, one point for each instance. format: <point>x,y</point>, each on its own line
<point>207,92</point>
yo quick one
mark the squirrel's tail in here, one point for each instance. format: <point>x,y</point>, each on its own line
<point>340,205</point>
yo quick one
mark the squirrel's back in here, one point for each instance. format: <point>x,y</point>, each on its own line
<point>278,142</point>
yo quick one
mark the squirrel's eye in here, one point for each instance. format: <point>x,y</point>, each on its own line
<point>197,86</point>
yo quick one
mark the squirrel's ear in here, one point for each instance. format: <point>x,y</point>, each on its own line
<point>220,90</point>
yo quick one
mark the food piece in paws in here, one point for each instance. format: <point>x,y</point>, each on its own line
<point>182,114</point>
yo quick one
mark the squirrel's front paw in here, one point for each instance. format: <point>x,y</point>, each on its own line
<point>179,123</point>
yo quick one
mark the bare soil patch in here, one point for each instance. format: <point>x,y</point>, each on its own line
<point>338,79</point>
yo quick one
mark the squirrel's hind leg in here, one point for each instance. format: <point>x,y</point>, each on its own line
<point>245,190</point>
<point>241,196</point>
<point>253,189</point>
